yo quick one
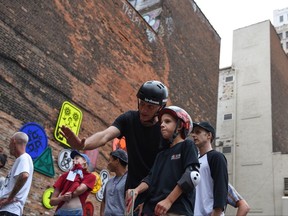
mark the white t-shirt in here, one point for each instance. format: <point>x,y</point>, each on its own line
<point>212,190</point>
<point>23,163</point>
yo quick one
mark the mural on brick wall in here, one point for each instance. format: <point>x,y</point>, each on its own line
<point>71,117</point>
<point>140,5</point>
<point>153,18</point>
<point>44,163</point>
<point>104,175</point>
<point>37,148</point>
<point>150,11</point>
<point>46,197</point>
<point>65,162</point>
<point>151,14</point>
<point>37,139</point>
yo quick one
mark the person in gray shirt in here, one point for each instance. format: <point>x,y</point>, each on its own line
<point>113,203</point>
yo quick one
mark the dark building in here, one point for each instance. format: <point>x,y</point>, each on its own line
<point>96,54</point>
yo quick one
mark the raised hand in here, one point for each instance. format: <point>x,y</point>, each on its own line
<point>71,138</point>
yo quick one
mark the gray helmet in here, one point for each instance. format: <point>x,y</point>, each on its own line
<point>153,92</point>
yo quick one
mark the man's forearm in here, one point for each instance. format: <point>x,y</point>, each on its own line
<point>101,138</point>
<point>20,182</point>
<point>94,141</point>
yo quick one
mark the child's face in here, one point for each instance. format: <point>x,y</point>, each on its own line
<point>168,125</point>
<point>79,160</point>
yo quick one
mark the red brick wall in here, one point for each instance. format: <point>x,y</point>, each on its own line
<point>193,53</point>
<point>96,54</point>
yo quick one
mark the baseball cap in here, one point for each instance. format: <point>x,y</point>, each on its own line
<point>75,152</point>
<point>121,154</point>
<point>206,126</point>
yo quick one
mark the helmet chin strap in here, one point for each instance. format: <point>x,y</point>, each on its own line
<point>175,133</point>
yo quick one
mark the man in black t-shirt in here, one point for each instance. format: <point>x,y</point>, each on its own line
<point>140,128</point>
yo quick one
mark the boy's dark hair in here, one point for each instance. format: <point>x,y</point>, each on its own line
<point>124,164</point>
<point>3,159</point>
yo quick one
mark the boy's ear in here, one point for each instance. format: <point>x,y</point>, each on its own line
<point>180,126</point>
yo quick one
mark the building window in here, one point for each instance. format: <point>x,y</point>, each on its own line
<point>229,79</point>
<point>285,186</point>
<point>286,45</point>
<point>286,183</point>
<point>228,116</point>
<point>280,35</point>
<point>226,149</point>
<point>286,34</point>
<point>281,19</point>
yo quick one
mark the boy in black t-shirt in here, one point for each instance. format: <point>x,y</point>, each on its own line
<point>174,175</point>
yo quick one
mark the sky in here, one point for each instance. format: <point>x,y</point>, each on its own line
<point>228,15</point>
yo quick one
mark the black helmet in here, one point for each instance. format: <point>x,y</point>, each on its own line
<point>182,115</point>
<point>153,92</point>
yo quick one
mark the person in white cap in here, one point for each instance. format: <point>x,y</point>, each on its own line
<point>73,187</point>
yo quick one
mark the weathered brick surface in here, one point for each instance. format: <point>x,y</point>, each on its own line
<point>279,91</point>
<point>190,51</point>
<point>96,54</point>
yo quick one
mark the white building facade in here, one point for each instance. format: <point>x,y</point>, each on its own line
<point>280,22</point>
<point>245,119</point>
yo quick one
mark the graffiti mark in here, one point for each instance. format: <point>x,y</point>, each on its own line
<point>153,18</point>
<point>130,12</point>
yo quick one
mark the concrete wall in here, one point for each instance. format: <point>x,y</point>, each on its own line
<point>96,54</point>
<point>251,58</point>
<point>257,159</point>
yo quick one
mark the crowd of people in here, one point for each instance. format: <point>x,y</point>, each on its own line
<point>170,167</point>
